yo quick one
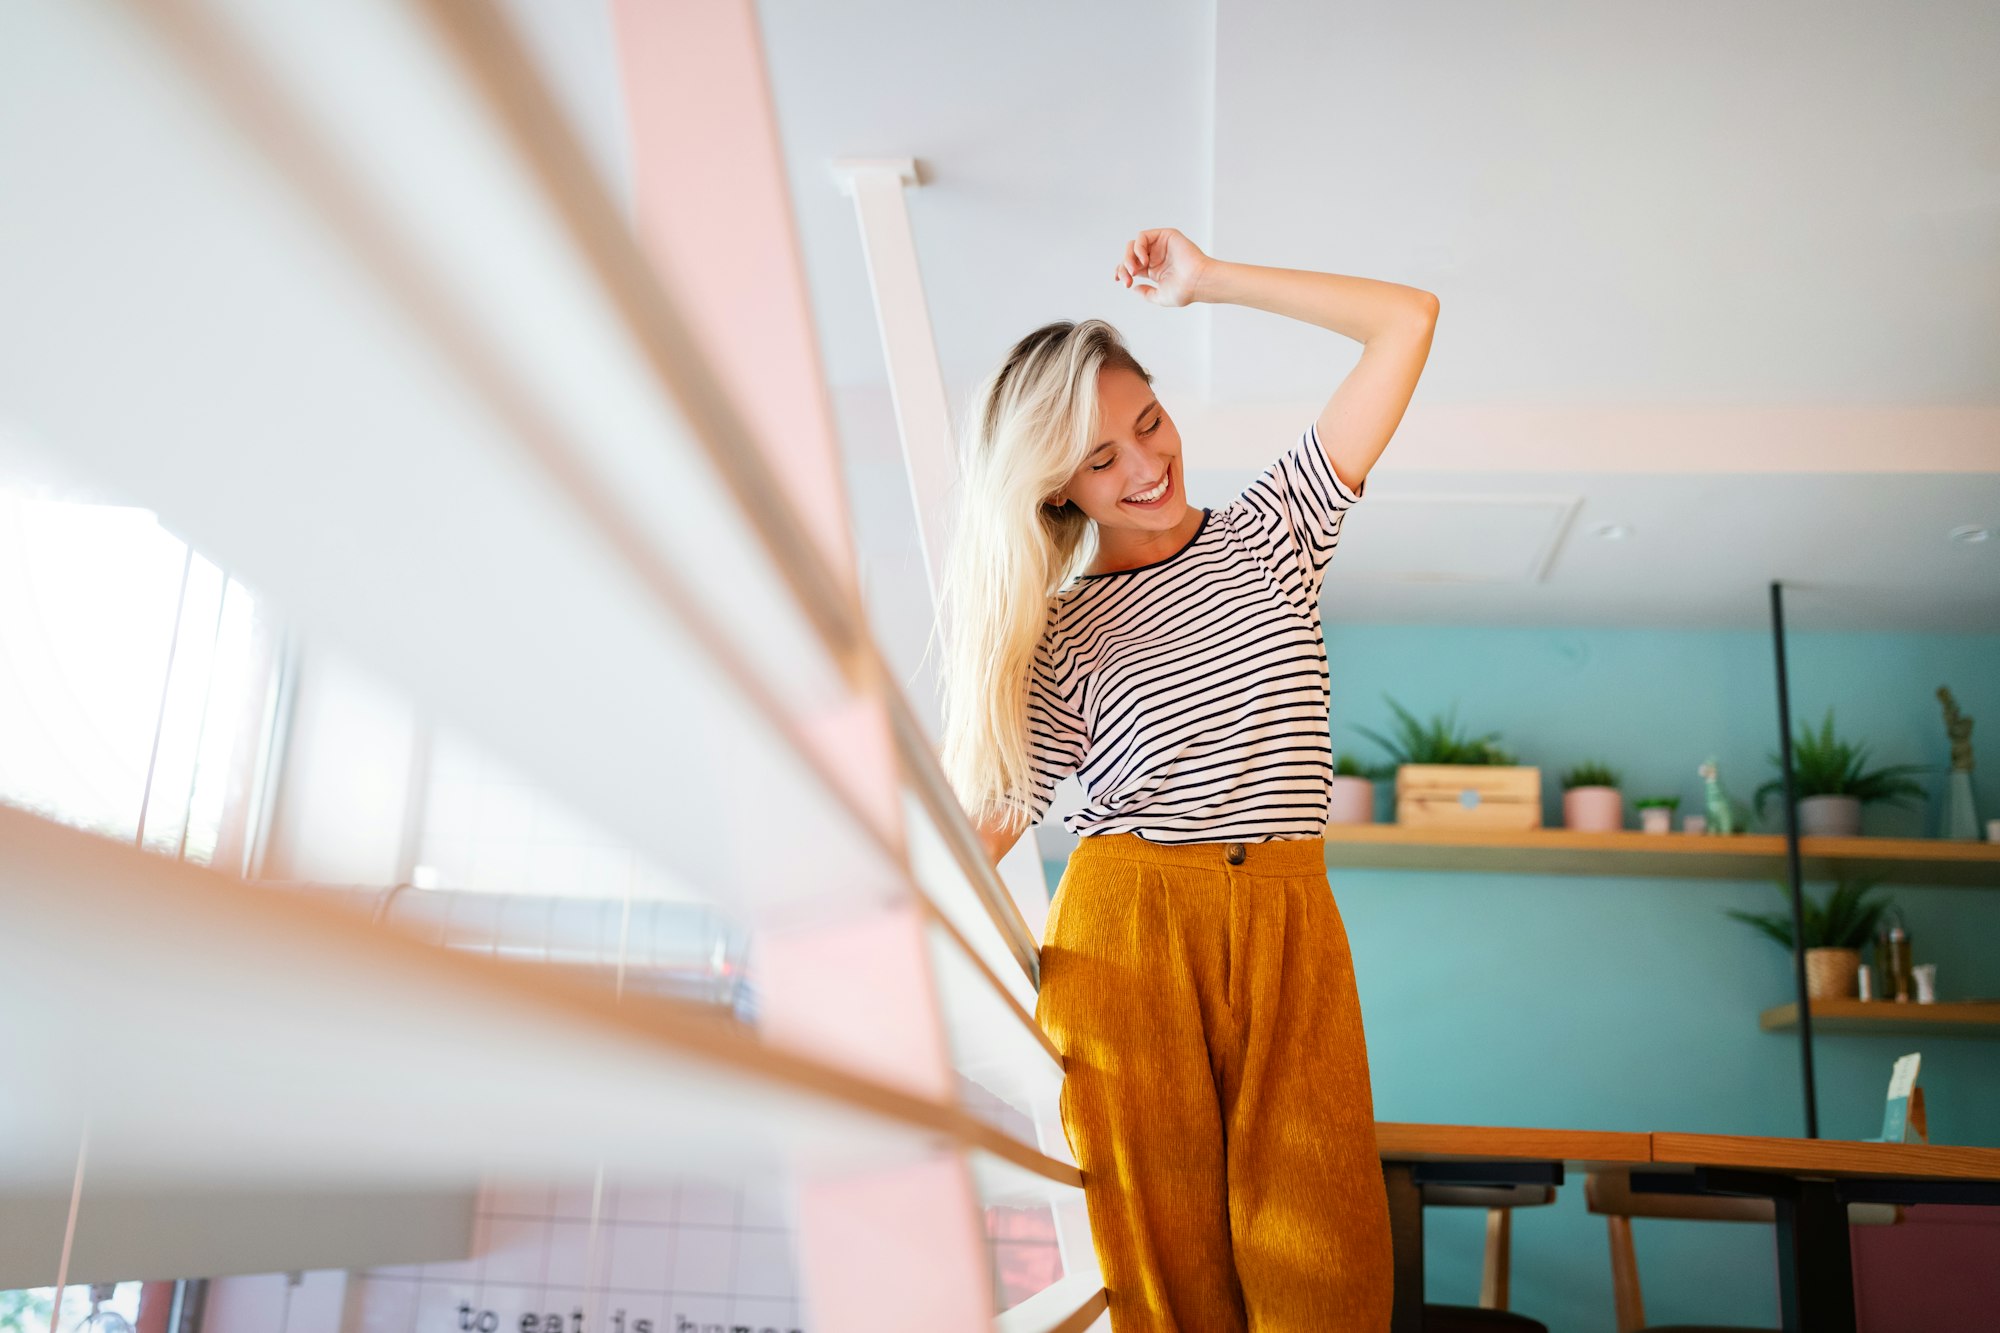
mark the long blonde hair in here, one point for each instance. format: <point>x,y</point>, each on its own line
<point>1029,427</point>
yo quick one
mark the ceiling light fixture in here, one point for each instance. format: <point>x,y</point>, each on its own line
<point>1969,532</point>
<point>1611,532</point>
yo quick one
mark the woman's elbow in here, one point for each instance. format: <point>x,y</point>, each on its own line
<point>998,838</point>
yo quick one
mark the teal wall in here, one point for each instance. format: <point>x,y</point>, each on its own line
<point>1632,1004</point>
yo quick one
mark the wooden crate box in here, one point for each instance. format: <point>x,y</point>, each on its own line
<point>1488,796</point>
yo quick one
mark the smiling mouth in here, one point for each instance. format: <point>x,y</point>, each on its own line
<point>1153,494</point>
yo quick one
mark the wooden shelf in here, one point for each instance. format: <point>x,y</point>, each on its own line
<point>1554,851</point>
<point>1967,1018</point>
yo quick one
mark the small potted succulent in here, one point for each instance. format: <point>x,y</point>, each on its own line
<point>1834,933</point>
<point>1592,802</point>
<point>1656,813</point>
<point>1354,790</point>
<point>1832,785</point>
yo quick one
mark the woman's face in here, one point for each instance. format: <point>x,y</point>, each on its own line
<point>1132,479</point>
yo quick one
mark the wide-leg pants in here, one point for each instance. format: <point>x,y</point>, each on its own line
<point>1215,1089</point>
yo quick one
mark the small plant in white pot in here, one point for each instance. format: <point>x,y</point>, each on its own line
<point>1656,813</point>
<point>1592,802</point>
<point>1353,800</point>
<point>1832,784</point>
<point>1834,934</point>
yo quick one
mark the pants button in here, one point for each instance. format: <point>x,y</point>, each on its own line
<point>1233,852</point>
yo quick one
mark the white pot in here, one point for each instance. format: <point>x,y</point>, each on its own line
<point>1656,818</point>
<point>1594,809</point>
<point>1829,816</point>
<point>1353,801</point>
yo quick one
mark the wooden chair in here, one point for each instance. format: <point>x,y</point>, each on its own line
<point>1499,1201</point>
<point>1610,1193</point>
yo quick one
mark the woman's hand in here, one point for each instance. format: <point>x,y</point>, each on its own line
<point>1175,264</point>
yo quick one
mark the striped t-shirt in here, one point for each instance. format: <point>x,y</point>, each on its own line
<point>1190,695</point>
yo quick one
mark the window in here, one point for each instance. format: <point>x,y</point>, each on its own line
<point>135,678</point>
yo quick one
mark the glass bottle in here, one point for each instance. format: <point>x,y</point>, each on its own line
<point>1892,961</point>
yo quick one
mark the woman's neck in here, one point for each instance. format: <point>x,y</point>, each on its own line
<point>1127,548</point>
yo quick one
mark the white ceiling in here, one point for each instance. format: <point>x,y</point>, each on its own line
<point>1698,202</point>
<point>1727,274</point>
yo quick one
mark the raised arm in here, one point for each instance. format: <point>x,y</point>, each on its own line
<point>1393,324</point>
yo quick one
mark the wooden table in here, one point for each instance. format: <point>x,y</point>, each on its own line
<point>1811,1182</point>
<point>1417,1155</point>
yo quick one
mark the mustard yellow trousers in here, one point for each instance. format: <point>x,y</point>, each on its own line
<point>1216,1089</point>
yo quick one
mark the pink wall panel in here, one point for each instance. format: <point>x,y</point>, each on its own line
<point>714,216</point>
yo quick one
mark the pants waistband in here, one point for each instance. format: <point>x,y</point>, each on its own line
<point>1289,856</point>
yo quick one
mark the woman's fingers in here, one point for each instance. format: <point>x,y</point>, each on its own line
<point>1146,256</point>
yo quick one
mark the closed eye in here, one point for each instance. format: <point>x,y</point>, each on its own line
<point>1099,467</point>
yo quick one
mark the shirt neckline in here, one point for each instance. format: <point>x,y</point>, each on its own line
<point>1199,528</point>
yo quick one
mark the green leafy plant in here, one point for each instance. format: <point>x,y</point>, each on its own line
<point>1590,775</point>
<point>1436,742</point>
<point>1846,920</point>
<point>24,1311</point>
<point>1648,802</point>
<point>1824,765</point>
<point>1347,766</point>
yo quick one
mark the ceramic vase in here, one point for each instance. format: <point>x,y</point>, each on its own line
<point>1830,816</point>
<point>1656,818</point>
<point>1961,820</point>
<point>1353,801</point>
<point>1594,809</point>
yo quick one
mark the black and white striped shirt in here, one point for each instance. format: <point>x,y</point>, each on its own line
<point>1190,695</point>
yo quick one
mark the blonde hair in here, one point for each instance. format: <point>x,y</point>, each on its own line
<point>1029,427</point>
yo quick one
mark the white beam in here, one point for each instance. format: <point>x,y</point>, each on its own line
<point>923,414</point>
<point>916,383</point>
<point>284,1042</point>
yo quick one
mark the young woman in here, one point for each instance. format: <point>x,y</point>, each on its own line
<point>1195,973</point>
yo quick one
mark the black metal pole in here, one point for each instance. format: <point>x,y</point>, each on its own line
<point>1792,864</point>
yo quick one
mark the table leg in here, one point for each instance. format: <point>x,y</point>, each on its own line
<point>1815,1261</point>
<point>1406,1228</point>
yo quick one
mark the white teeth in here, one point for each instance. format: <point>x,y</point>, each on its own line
<point>1147,497</point>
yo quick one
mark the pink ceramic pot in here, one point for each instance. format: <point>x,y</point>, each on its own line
<point>1594,809</point>
<point>1353,801</point>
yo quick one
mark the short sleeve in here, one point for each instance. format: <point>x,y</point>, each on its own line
<point>1294,509</point>
<point>1056,739</point>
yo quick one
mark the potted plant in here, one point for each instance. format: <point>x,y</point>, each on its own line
<point>1592,802</point>
<point>1354,790</point>
<point>1446,778</point>
<point>1656,813</point>
<point>1834,934</point>
<point>1832,785</point>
